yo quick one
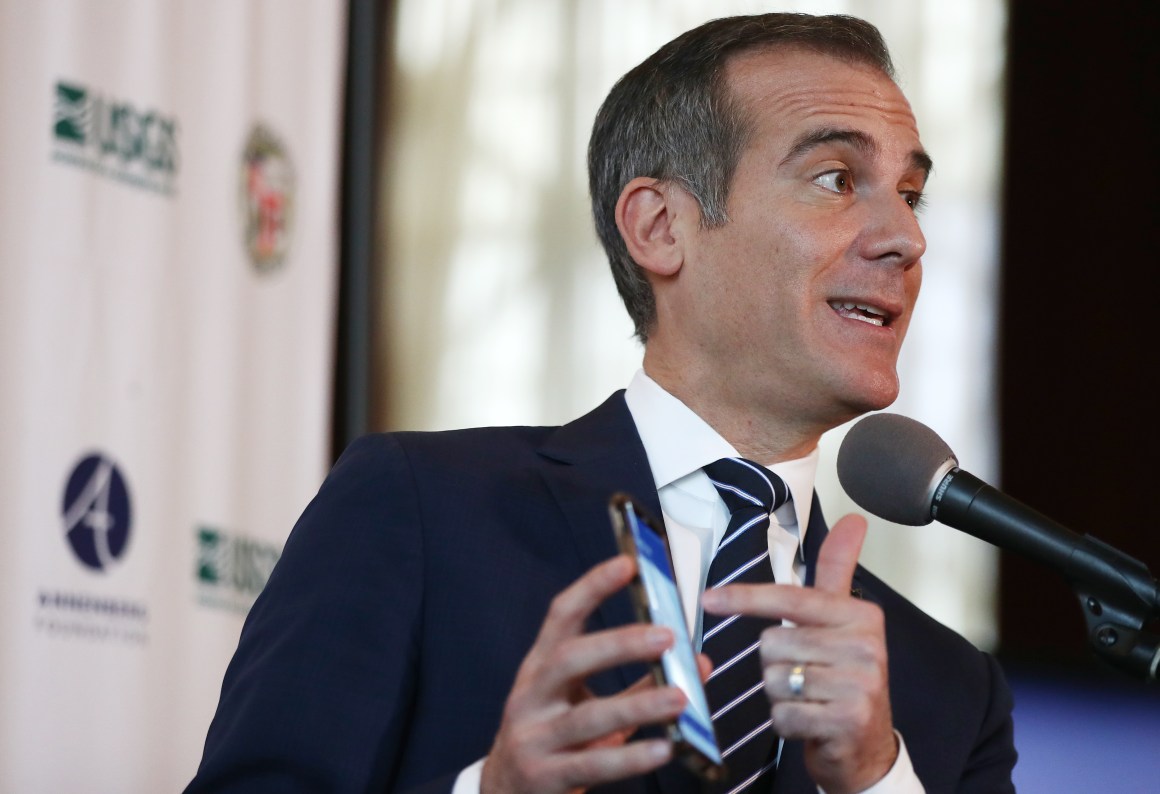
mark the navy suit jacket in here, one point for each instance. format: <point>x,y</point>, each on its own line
<point>381,652</point>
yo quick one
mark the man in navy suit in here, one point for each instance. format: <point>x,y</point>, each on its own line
<point>449,613</point>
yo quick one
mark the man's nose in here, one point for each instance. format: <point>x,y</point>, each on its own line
<point>893,234</point>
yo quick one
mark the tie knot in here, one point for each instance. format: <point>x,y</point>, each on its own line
<point>744,484</point>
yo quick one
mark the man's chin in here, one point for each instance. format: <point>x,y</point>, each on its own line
<point>873,396</point>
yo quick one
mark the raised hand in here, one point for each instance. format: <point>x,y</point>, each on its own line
<point>555,735</point>
<point>826,676</point>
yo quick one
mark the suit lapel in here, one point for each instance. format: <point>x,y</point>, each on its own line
<point>592,458</point>
<point>816,532</point>
<point>815,535</point>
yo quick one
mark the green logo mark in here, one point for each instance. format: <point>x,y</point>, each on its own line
<point>71,113</point>
<point>232,568</point>
<point>114,138</point>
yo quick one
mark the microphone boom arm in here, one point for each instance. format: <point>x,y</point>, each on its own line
<point>1117,593</point>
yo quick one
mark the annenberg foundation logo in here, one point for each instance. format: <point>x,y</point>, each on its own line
<point>97,512</point>
<point>267,199</point>
<point>114,138</point>
<point>98,520</point>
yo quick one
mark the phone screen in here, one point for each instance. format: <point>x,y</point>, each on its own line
<point>664,609</point>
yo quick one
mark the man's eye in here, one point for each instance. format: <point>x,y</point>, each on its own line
<point>837,181</point>
<point>914,199</point>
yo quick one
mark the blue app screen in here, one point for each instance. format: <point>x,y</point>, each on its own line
<point>680,663</point>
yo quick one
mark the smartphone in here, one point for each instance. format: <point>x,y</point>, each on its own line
<point>657,600</point>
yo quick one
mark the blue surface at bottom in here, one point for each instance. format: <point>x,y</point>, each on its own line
<point>1077,735</point>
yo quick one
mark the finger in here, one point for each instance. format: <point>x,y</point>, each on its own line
<point>704,666</point>
<point>569,662</point>
<point>778,601</point>
<point>591,767</point>
<point>839,555</point>
<point>819,683</point>
<point>571,608</point>
<point>645,682</point>
<point>802,719</point>
<point>620,714</point>
<point>704,669</point>
<point>837,720</point>
<point>860,642</point>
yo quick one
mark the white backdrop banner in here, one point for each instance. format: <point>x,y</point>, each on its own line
<point>168,262</point>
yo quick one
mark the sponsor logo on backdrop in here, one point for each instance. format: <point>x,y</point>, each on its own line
<point>97,519</point>
<point>115,138</point>
<point>97,514</point>
<point>86,616</point>
<point>231,569</point>
<point>267,199</point>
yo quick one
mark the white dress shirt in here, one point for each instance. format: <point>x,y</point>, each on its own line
<point>678,443</point>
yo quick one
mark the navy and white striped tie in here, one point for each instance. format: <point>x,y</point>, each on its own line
<point>741,712</point>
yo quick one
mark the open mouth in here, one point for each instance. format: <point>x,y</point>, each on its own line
<point>863,312</point>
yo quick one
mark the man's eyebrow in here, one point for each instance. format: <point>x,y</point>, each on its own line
<point>815,138</point>
<point>919,159</point>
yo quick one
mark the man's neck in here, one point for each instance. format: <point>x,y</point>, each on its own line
<point>758,433</point>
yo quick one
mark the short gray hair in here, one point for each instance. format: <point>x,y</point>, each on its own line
<point>673,118</point>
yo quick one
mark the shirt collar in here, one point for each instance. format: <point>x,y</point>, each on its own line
<point>678,443</point>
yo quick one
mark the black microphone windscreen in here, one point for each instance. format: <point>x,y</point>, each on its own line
<point>890,465</point>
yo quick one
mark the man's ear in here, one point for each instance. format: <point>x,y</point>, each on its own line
<point>647,214</point>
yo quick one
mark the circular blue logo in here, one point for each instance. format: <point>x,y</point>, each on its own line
<point>96,510</point>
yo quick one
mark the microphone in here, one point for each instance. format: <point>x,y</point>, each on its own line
<point>900,470</point>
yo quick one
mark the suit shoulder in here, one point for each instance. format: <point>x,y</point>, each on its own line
<point>467,446</point>
<point>950,700</point>
<point>908,626</point>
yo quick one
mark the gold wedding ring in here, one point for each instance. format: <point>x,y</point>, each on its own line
<point>797,680</point>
